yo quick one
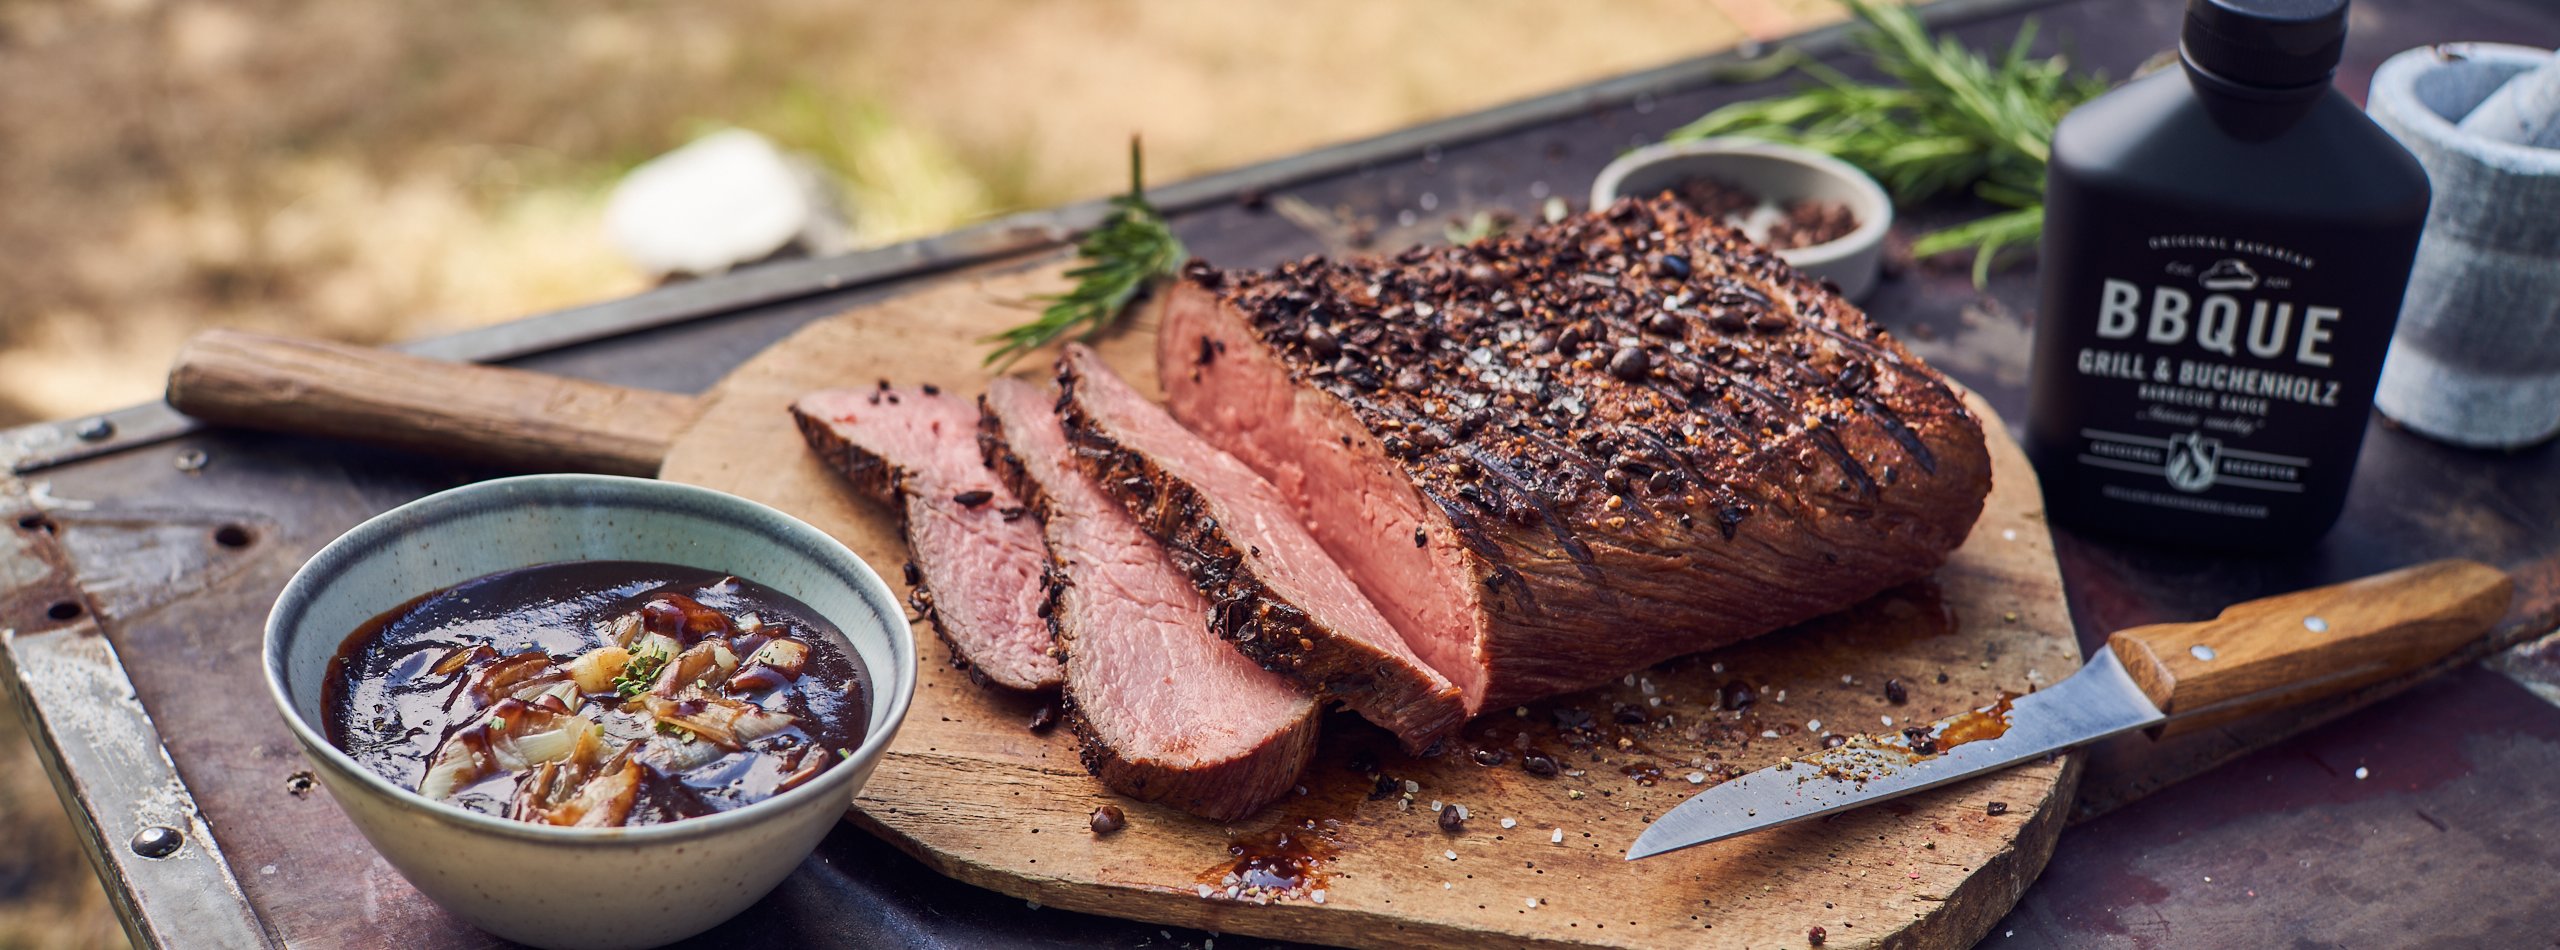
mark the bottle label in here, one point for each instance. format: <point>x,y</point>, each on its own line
<point>2200,347</point>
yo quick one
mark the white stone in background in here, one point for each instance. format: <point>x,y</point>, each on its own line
<point>723,200</point>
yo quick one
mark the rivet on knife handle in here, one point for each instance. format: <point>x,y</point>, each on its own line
<point>2293,648</point>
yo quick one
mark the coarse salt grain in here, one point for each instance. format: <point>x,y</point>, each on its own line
<point>1464,814</point>
<point>1716,668</point>
<point>1411,786</point>
<point>1451,855</point>
<point>1446,886</point>
<point>1888,720</point>
<point>1204,890</point>
<point>1510,823</point>
<point>1813,725</point>
<point>1629,679</point>
<point>1435,806</point>
<point>1533,902</point>
<point>1316,895</point>
<point>1846,679</point>
<point>1697,778</point>
<point>2361,773</point>
<point>1558,837</point>
<point>1768,733</point>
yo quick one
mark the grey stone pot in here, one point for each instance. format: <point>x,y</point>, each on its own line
<point>2476,360</point>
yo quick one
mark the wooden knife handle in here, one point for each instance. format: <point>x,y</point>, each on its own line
<point>512,417</point>
<point>2293,648</point>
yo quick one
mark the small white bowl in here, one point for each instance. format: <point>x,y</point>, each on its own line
<point>583,887</point>
<point>1777,173</point>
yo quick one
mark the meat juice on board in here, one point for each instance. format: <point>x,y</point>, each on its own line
<point>2225,248</point>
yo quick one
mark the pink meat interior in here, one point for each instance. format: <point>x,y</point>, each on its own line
<point>1249,509</point>
<point>1142,664</point>
<point>1333,475</point>
<point>984,570</point>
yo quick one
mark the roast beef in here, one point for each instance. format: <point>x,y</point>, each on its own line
<point>1555,457</point>
<point>1163,710</point>
<point>977,557</point>
<point>1273,591</point>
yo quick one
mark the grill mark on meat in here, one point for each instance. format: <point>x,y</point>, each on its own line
<point>1902,435</point>
<point>1469,531</point>
<point>1749,388</point>
<point>1665,450</point>
<point>1521,487</point>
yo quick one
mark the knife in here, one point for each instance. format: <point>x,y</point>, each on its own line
<point>2168,678</point>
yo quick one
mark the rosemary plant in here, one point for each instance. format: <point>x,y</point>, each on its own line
<point>1951,120</point>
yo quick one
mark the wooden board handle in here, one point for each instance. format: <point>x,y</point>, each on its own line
<point>2293,648</point>
<point>487,413</point>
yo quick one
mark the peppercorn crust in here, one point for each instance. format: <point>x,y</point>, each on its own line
<point>1641,435</point>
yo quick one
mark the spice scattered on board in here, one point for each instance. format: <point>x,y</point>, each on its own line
<point>1108,819</point>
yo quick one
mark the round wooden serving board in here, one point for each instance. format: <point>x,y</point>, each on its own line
<point>973,792</point>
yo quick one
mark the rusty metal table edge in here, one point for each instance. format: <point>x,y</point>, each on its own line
<point>161,864</point>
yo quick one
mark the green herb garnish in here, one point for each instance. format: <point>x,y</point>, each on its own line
<point>1131,250</point>
<point>641,671</point>
<point>1956,120</point>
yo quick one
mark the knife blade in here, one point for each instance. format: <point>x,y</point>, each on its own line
<point>2170,678</point>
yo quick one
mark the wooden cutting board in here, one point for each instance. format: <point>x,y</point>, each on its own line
<point>971,791</point>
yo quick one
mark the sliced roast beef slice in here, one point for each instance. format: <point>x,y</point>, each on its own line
<point>1164,711</point>
<point>1556,457</point>
<point>976,559</point>
<point>1274,592</point>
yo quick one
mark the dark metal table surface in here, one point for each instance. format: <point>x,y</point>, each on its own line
<point>140,556</point>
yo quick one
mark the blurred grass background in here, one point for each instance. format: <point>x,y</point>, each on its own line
<point>371,170</point>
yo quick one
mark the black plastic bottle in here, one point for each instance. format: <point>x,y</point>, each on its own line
<point>2224,253</point>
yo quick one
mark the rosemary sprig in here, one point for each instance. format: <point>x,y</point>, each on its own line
<point>1954,120</point>
<point>1130,250</point>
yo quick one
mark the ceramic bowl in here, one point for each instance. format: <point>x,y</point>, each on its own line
<point>1777,173</point>
<point>583,887</point>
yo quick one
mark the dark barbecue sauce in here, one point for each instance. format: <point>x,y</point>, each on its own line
<point>485,676</point>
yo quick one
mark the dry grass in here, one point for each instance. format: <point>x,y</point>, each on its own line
<point>370,170</point>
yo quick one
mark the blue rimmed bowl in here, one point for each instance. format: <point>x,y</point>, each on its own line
<point>583,887</point>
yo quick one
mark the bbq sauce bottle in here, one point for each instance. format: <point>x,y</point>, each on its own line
<point>2225,247</point>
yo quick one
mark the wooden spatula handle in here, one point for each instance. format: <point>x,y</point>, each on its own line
<point>2296,647</point>
<point>485,413</point>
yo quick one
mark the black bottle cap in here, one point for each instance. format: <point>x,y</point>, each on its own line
<point>2274,44</point>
